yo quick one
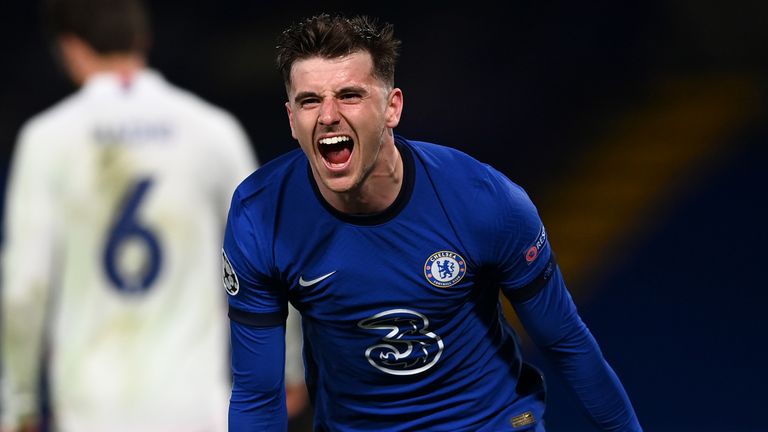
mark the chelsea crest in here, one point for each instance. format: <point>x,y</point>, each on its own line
<point>445,268</point>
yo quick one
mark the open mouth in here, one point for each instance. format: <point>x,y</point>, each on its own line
<point>336,151</point>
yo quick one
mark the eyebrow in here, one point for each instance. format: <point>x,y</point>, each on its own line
<point>350,89</point>
<point>303,95</point>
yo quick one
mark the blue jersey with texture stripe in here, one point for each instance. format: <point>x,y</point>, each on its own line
<point>403,328</point>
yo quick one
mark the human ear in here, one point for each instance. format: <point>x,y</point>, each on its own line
<point>394,107</point>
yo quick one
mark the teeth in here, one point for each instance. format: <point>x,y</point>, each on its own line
<point>334,140</point>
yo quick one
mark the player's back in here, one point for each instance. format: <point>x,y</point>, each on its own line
<point>138,176</point>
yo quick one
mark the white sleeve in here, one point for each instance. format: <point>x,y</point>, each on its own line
<point>239,157</point>
<point>27,263</point>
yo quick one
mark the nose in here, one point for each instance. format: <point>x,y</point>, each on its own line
<point>329,112</point>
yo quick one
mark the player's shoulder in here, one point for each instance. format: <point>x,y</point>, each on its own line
<point>49,123</point>
<point>188,102</point>
<point>436,155</point>
<point>463,184</point>
<point>466,173</point>
<point>260,189</point>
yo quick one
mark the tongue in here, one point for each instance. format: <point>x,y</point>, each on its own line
<point>338,155</point>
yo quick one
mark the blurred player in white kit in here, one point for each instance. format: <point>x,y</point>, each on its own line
<point>116,204</point>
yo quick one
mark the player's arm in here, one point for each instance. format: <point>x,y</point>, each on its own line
<point>27,264</point>
<point>258,389</point>
<point>257,312</point>
<point>531,280</point>
<point>546,310</point>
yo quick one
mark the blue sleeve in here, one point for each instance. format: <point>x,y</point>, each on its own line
<point>258,388</point>
<point>257,311</point>
<point>553,323</point>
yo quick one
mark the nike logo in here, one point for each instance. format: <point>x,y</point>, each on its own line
<point>308,283</point>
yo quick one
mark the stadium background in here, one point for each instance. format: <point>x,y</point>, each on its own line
<point>639,129</point>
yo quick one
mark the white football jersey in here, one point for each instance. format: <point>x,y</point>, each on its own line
<point>117,199</point>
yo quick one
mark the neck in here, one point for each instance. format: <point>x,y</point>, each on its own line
<point>378,190</point>
<point>82,61</point>
<point>119,64</point>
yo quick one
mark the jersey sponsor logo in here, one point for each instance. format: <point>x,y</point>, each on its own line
<point>533,251</point>
<point>231,284</point>
<point>309,283</point>
<point>408,348</point>
<point>443,269</point>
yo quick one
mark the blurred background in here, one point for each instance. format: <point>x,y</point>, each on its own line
<point>638,128</point>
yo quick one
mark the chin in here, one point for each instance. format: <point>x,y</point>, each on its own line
<point>339,184</point>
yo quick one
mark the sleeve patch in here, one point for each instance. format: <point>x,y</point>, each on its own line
<point>229,278</point>
<point>532,252</point>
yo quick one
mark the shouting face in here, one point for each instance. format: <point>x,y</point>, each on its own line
<point>342,115</point>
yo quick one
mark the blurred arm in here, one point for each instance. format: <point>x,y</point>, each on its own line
<point>296,395</point>
<point>27,266</point>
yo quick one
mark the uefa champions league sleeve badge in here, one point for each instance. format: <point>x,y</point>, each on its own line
<point>229,278</point>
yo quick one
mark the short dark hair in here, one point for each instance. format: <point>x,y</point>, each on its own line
<point>108,26</point>
<point>335,36</point>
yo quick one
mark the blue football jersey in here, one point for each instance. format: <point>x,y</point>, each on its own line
<point>403,327</point>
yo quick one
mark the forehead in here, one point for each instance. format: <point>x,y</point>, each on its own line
<point>318,74</point>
